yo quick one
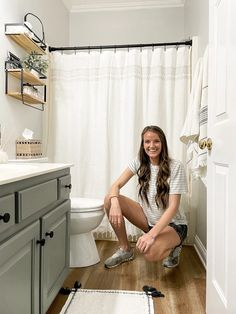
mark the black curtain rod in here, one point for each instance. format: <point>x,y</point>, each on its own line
<point>186,43</point>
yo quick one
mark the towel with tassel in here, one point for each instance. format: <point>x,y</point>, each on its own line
<point>202,153</point>
<point>195,126</point>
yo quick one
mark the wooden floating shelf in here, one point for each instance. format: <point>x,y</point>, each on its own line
<point>28,77</point>
<point>26,42</point>
<point>29,99</point>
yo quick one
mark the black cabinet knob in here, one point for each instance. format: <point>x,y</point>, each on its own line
<point>49,234</point>
<point>69,186</point>
<point>6,217</point>
<point>41,242</point>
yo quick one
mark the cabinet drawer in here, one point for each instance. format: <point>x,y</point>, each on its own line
<point>64,187</point>
<point>7,212</point>
<point>36,198</point>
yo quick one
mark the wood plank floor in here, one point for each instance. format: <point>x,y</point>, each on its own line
<point>184,287</point>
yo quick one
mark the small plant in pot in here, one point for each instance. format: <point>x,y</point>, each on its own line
<point>36,64</point>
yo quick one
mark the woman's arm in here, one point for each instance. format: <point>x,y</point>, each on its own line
<point>115,214</point>
<point>120,182</point>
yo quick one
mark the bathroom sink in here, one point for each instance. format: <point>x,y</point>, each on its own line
<point>17,167</point>
<point>11,172</point>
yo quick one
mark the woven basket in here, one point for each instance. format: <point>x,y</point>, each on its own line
<point>28,149</point>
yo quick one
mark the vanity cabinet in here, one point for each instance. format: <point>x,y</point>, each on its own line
<point>34,243</point>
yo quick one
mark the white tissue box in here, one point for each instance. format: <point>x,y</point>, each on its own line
<point>28,149</point>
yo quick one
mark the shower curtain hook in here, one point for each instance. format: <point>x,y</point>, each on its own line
<point>89,49</point>
<point>141,48</point>
<point>128,48</point>
<point>152,47</point>
<point>115,49</point>
<point>100,49</point>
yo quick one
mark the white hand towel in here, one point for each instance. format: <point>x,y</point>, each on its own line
<point>190,131</point>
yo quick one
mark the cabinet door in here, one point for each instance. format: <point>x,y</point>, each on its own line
<point>55,253</point>
<point>19,272</point>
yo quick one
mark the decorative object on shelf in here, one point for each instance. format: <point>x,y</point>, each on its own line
<point>40,41</point>
<point>17,28</point>
<point>13,62</point>
<point>31,90</point>
<point>36,63</point>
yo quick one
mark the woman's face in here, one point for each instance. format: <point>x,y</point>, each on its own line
<point>152,146</point>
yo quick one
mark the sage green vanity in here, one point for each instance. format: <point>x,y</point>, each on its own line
<point>34,236</point>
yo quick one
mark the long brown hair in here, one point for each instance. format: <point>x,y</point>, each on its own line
<point>144,171</point>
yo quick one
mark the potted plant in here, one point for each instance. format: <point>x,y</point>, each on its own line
<point>36,63</point>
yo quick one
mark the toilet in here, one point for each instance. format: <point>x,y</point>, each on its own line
<point>86,215</point>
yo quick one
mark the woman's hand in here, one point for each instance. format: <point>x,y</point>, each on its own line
<point>115,213</point>
<point>145,242</point>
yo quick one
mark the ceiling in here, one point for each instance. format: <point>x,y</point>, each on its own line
<point>105,5</point>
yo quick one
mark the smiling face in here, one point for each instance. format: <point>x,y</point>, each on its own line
<point>152,146</point>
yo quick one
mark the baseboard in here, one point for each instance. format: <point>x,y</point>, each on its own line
<point>200,249</point>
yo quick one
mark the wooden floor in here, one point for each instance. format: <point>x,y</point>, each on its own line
<point>184,287</point>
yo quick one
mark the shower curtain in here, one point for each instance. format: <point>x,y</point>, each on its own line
<point>101,101</point>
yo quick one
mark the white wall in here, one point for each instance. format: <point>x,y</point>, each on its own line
<point>197,24</point>
<point>127,26</point>
<point>14,116</point>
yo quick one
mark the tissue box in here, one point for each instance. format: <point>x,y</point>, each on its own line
<point>28,149</point>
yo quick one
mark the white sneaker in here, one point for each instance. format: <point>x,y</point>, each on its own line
<point>119,257</point>
<point>172,260</point>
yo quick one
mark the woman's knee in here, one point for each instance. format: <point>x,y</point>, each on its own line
<point>154,255</point>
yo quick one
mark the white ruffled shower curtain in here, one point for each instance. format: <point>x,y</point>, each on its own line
<point>101,101</point>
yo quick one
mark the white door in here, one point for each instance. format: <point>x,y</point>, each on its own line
<point>221,195</point>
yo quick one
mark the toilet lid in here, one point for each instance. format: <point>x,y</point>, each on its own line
<point>78,204</point>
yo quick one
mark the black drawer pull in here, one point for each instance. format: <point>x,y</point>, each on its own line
<point>41,242</point>
<point>5,217</point>
<point>69,186</point>
<point>49,234</point>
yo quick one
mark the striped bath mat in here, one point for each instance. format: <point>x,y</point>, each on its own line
<point>85,301</point>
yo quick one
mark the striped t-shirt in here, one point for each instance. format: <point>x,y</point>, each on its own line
<point>178,185</point>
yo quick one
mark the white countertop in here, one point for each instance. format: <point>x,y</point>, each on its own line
<point>11,172</point>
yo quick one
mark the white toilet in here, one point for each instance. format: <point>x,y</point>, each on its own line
<point>86,215</point>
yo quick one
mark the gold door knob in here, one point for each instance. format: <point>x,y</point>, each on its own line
<point>202,144</point>
<point>209,143</point>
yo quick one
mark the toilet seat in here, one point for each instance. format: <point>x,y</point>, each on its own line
<point>86,204</point>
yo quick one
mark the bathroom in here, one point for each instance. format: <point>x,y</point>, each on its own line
<point>67,24</point>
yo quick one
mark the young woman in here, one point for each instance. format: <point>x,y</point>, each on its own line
<point>161,182</point>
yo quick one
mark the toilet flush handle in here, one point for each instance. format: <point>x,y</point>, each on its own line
<point>69,186</point>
